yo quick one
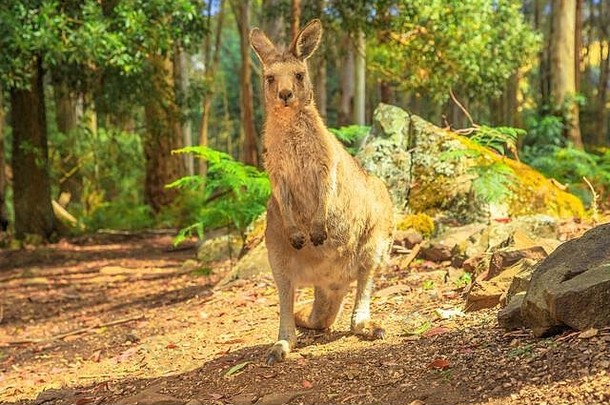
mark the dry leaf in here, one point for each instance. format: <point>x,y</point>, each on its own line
<point>589,333</point>
<point>307,384</point>
<point>437,330</point>
<point>439,364</point>
<point>171,346</point>
<point>95,357</point>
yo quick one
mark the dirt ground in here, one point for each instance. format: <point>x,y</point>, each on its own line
<point>130,319</point>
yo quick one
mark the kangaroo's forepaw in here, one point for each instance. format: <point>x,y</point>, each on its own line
<point>318,234</point>
<point>369,330</point>
<point>297,240</point>
<point>278,352</point>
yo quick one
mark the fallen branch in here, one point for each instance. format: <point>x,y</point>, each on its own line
<point>72,333</point>
<point>414,252</point>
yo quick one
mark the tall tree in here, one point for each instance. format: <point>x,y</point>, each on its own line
<point>241,9</point>
<point>31,182</point>
<point>360,78</point>
<point>563,65</point>
<point>211,58</point>
<point>3,213</point>
<point>601,121</point>
<point>163,134</point>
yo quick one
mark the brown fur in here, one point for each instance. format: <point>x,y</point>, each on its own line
<point>328,222</point>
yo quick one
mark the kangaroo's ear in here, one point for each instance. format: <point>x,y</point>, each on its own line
<point>263,47</point>
<point>307,40</point>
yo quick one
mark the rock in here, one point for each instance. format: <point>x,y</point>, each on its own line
<point>583,302</point>
<point>504,259</point>
<point>510,317</point>
<point>220,248</point>
<point>402,148</point>
<point>436,252</point>
<point>521,280</point>
<point>571,286</point>
<point>487,294</point>
<point>408,238</point>
<point>194,402</point>
<point>251,264</point>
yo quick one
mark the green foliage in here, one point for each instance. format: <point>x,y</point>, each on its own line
<point>111,166</point>
<point>491,178</point>
<point>351,136</point>
<point>234,194</point>
<point>432,46</point>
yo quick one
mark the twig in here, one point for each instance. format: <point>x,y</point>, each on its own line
<point>407,261</point>
<point>464,110</point>
<point>1,312</point>
<point>74,332</point>
<point>594,206</point>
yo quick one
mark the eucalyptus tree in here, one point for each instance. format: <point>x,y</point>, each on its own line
<point>79,43</point>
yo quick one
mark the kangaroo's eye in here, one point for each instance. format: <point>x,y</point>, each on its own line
<point>299,76</point>
<point>270,79</point>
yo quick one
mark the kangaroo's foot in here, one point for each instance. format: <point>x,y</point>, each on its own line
<point>278,352</point>
<point>368,330</point>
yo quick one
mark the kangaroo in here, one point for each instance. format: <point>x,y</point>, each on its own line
<point>328,222</point>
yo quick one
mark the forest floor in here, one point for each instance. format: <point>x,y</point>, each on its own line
<point>129,319</point>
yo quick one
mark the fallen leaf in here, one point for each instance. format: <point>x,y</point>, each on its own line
<point>417,402</point>
<point>589,333</point>
<point>95,357</point>
<point>437,330</point>
<point>125,355</point>
<point>216,396</point>
<point>83,401</point>
<point>448,313</point>
<point>307,384</point>
<point>439,364</point>
<point>171,346</point>
<point>236,368</point>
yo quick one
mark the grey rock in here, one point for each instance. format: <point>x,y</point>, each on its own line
<point>254,262</point>
<point>510,317</point>
<point>220,248</point>
<point>571,286</point>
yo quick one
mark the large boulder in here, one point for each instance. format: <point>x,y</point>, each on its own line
<point>411,155</point>
<point>571,287</point>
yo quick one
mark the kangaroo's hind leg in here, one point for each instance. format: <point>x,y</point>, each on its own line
<point>326,306</point>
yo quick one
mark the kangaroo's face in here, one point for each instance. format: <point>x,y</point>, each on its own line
<point>286,78</point>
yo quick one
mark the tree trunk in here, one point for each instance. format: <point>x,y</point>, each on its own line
<point>3,213</point>
<point>563,65</point>
<point>71,181</point>
<point>295,23</point>
<point>241,9</point>
<point>360,76</point>
<point>181,80</point>
<point>273,23</point>
<point>163,134</point>
<point>347,79</point>
<point>211,57</point>
<point>601,123</point>
<point>31,182</point>
<point>543,57</point>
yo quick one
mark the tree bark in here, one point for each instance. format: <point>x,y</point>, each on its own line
<point>295,23</point>
<point>347,79</point>
<point>563,65</point>
<point>3,182</point>
<point>241,9</point>
<point>273,23</point>
<point>67,123</point>
<point>601,123</point>
<point>163,134</point>
<point>211,60</point>
<point>360,79</point>
<point>181,80</point>
<point>31,182</point>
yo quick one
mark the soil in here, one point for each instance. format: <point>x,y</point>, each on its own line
<point>130,319</point>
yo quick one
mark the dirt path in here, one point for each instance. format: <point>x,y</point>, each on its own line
<point>131,320</point>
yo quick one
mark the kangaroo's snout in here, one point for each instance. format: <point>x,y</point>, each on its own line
<point>285,95</point>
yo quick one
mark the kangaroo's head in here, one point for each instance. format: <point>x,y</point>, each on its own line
<point>286,78</point>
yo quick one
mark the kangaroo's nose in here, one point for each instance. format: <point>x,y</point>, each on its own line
<point>285,94</point>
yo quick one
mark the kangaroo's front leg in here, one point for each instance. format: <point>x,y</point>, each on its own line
<point>284,198</point>
<point>286,336</point>
<point>318,226</point>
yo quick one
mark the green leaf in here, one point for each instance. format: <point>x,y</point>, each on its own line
<point>237,368</point>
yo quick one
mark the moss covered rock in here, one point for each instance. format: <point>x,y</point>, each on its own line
<point>411,155</point>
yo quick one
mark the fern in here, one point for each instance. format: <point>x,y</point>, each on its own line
<point>351,136</point>
<point>234,194</point>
